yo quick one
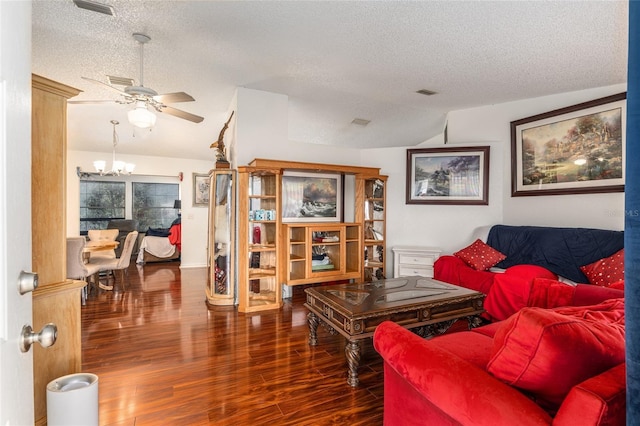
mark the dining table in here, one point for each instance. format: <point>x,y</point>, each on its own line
<point>98,246</point>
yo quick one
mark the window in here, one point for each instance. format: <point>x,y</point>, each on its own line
<point>100,201</point>
<point>153,204</point>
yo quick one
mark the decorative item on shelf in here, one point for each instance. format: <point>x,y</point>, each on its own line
<point>117,167</point>
<point>221,153</point>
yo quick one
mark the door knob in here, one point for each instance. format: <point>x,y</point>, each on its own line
<point>46,337</point>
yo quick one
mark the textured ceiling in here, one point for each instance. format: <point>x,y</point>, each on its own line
<point>336,61</point>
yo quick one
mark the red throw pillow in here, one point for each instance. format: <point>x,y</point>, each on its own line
<point>547,352</point>
<point>607,271</point>
<point>480,256</point>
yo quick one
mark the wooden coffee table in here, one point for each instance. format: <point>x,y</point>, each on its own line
<point>427,306</point>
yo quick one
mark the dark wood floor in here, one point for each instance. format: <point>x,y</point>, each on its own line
<point>163,357</point>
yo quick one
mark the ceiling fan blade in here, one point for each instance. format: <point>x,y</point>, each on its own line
<point>170,98</point>
<point>182,114</point>
<point>92,102</point>
<point>106,85</point>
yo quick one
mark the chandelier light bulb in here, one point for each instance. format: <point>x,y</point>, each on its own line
<point>100,165</point>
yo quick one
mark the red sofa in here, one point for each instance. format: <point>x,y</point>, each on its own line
<point>532,266</point>
<point>540,367</point>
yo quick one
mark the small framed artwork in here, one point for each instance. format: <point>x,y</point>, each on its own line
<point>575,150</point>
<point>448,176</point>
<point>311,197</point>
<point>200,190</point>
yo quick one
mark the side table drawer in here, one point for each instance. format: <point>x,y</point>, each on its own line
<point>409,270</point>
<point>412,259</point>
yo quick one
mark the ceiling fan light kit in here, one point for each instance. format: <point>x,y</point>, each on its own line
<point>141,117</point>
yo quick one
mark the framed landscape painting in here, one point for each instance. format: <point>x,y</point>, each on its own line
<point>311,197</point>
<point>574,150</point>
<point>448,176</point>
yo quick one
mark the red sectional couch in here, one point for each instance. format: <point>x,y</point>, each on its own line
<point>562,366</point>
<point>522,266</point>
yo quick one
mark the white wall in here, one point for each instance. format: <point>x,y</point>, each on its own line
<point>492,123</point>
<point>262,132</point>
<point>450,227</point>
<point>194,219</point>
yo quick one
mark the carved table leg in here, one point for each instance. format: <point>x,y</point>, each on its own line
<point>352,351</point>
<point>474,321</point>
<point>312,319</point>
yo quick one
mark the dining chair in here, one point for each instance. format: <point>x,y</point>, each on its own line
<point>77,269</point>
<point>103,234</point>
<point>120,264</point>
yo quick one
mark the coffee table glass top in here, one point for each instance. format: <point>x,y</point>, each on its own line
<point>388,293</point>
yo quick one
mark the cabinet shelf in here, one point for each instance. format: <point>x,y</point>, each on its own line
<point>344,252</point>
<point>261,247</point>
<point>255,273</point>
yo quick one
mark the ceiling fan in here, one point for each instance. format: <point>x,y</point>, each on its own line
<point>144,98</point>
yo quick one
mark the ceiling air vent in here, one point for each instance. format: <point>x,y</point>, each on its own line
<point>426,92</point>
<point>95,7</point>
<point>360,121</point>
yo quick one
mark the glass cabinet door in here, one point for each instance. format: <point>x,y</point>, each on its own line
<point>221,280</point>
<point>374,229</point>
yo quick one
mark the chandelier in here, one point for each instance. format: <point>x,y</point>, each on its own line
<point>117,167</point>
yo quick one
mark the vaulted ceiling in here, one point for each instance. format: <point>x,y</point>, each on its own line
<point>336,61</point>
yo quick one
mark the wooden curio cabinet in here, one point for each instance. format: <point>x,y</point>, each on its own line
<point>221,241</point>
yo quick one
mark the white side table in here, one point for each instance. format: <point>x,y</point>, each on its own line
<point>414,260</point>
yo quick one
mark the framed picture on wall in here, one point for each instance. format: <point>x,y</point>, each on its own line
<point>311,197</point>
<point>200,190</point>
<point>575,150</point>
<point>448,176</point>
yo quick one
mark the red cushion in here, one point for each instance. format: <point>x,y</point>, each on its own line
<point>480,256</point>
<point>510,291</point>
<point>618,285</point>
<point>548,293</point>
<point>529,272</point>
<point>607,271</point>
<point>547,352</point>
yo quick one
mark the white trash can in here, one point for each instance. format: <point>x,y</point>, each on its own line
<point>73,400</point>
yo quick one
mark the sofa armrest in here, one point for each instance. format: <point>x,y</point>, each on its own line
<point>453,270</point>
<point>600,400</point>
<point>443,382</point>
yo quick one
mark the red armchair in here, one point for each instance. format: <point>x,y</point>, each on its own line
<point>446,380</point>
